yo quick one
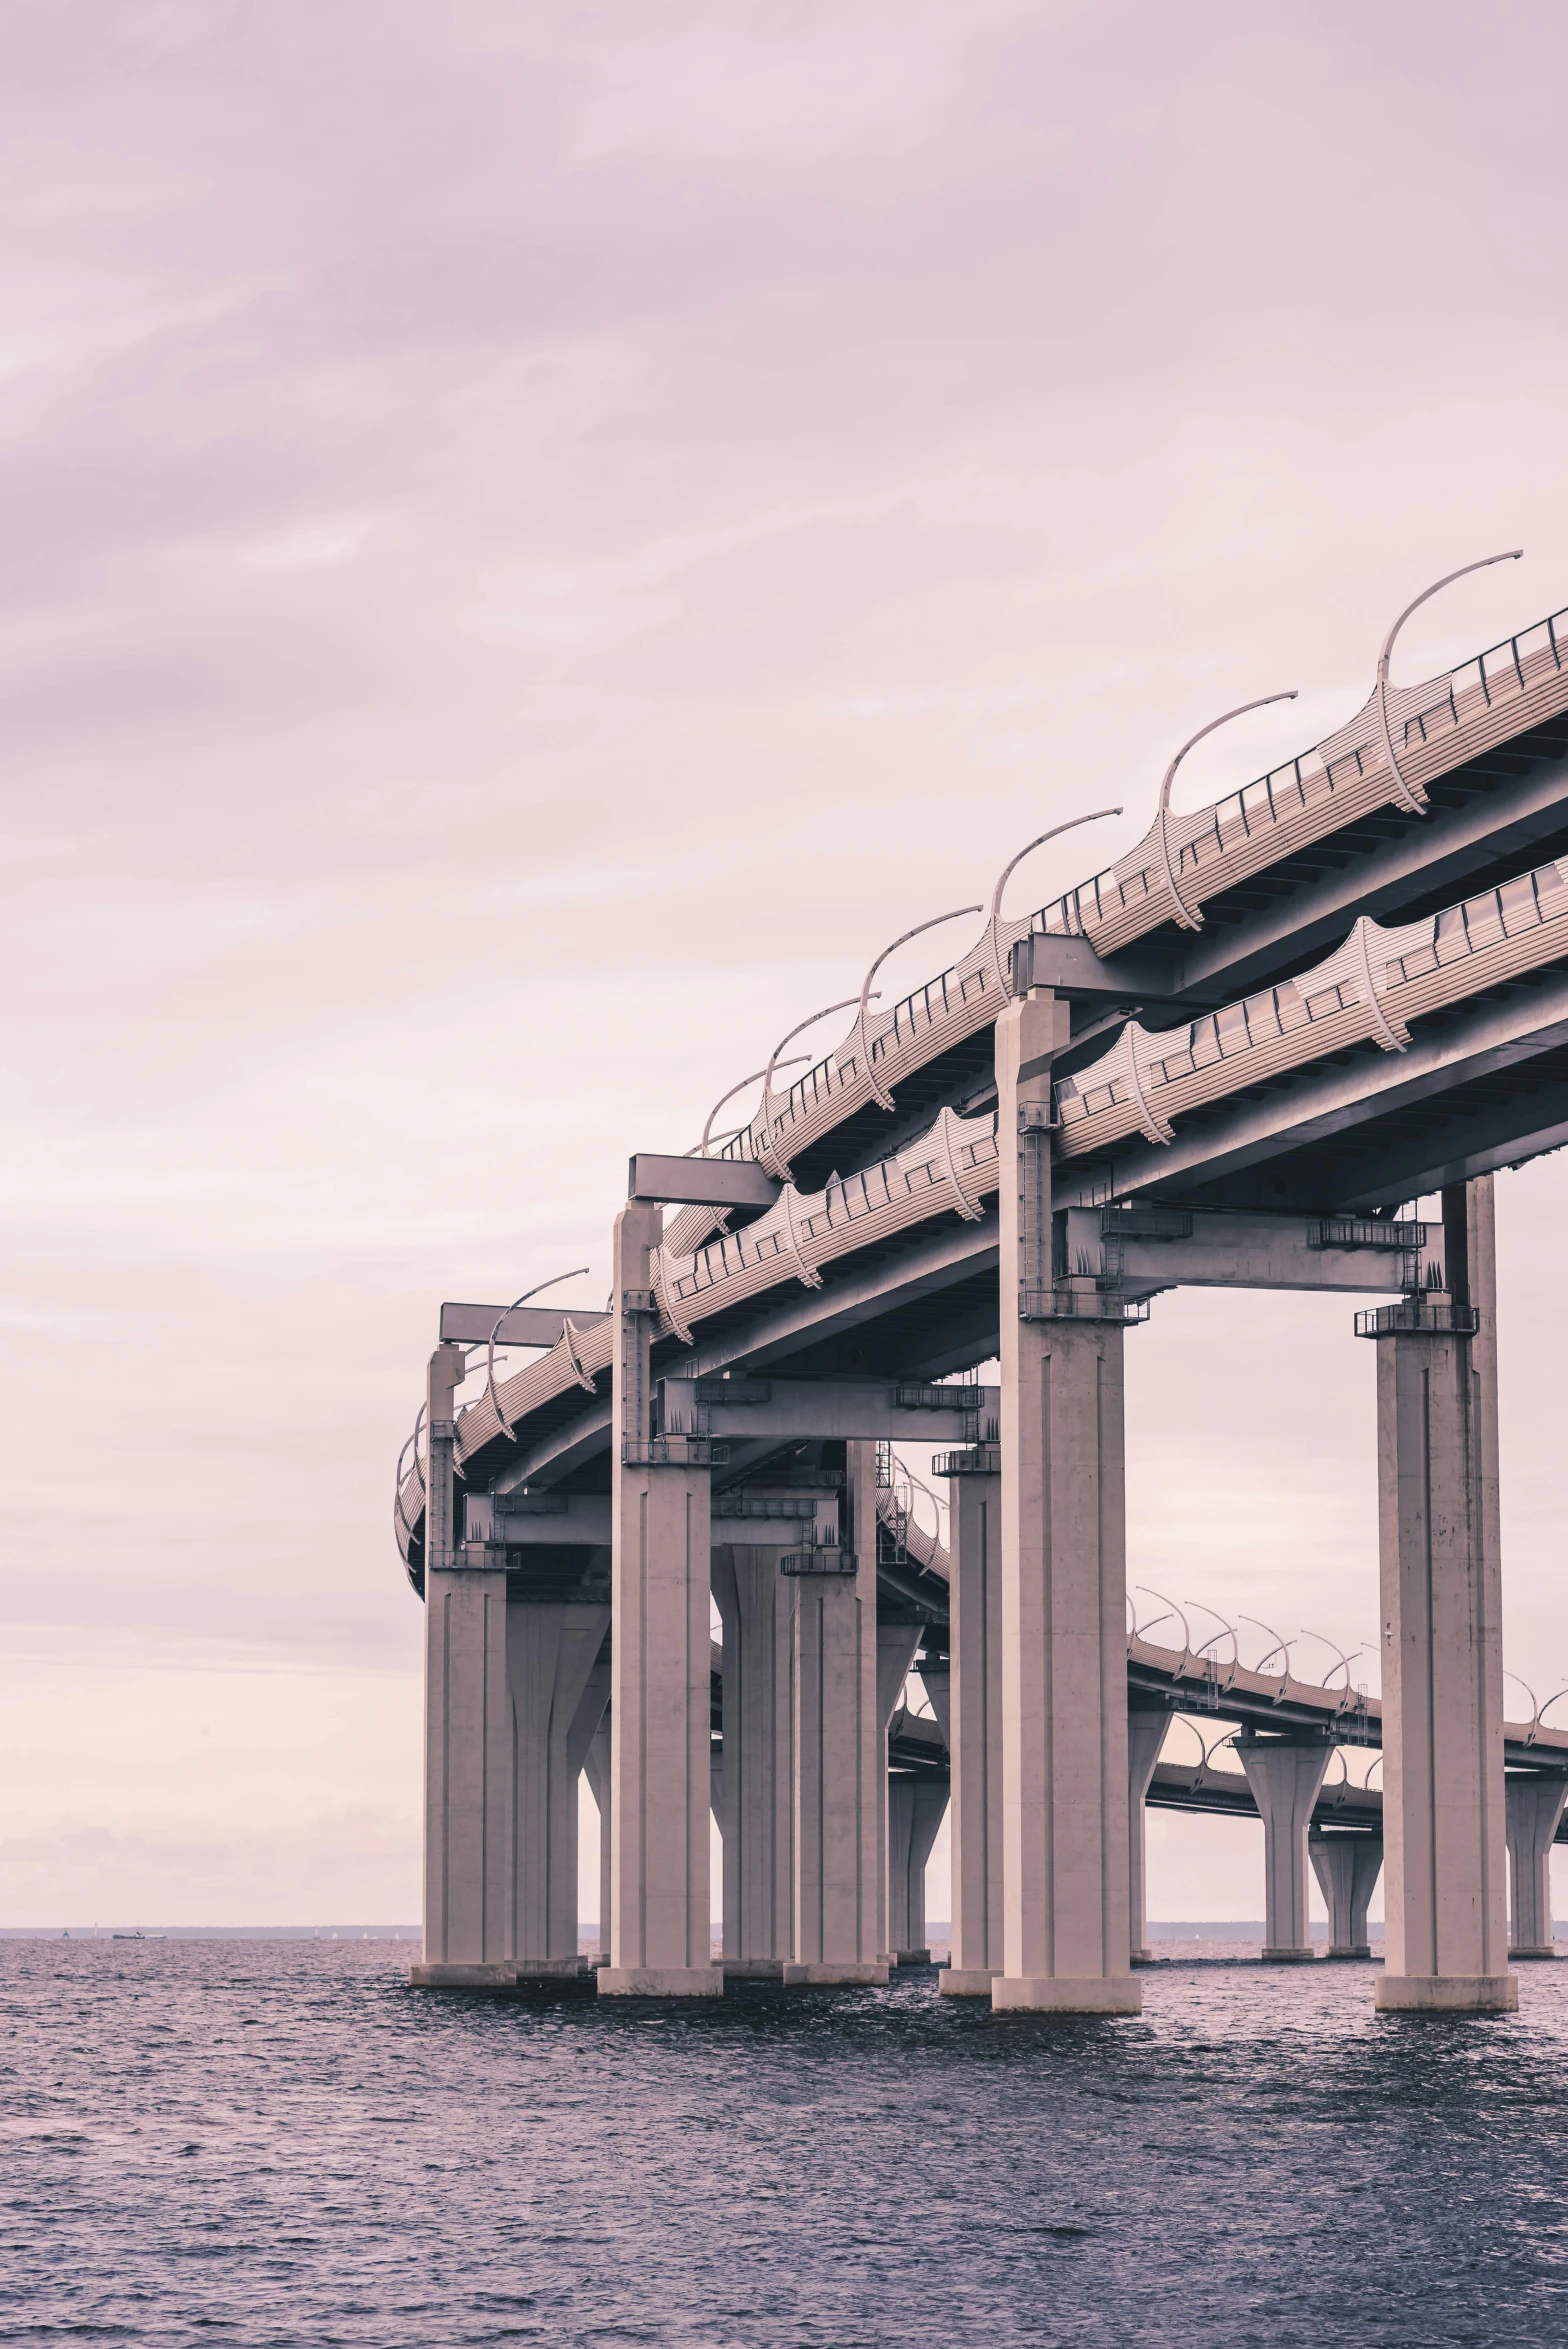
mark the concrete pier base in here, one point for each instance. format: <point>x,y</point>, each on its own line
<point>1446,1994</point>
<point>660,1982</point>
<point>563,1969</point>
<point>1064,1994</point>
<point>965,1981</point>
<point>753,1969</point>
<point>486,1977</point>
<point>847,1976</point>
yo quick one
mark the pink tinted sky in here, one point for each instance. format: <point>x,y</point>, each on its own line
<point>534,539</point>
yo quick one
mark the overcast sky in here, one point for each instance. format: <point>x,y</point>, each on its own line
<point>534,539</point>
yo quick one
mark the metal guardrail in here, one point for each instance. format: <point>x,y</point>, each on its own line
<point>1434,1317</point>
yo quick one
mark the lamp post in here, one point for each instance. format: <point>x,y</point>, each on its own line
<point>1410,795</point>
<point>1186,915</point>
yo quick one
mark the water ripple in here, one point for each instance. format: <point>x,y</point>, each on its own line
<point>280,2143</point>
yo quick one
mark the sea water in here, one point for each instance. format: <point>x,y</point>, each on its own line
<point>282,2143</point>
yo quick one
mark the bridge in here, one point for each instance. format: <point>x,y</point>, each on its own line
<point>1239,1057</point>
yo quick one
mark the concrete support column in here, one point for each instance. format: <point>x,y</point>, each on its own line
<point>840,1759</point>
<point>916,1808</point>
<point>660,1942</point>
<point>559,1688</point>
<point>1534,1809</point>
<point>896,1645</point>
<point>974,1726</point>
<point>468,1731</point>
<point>1285,1777</point>
<point>1347,1865</point>
<point>1064,1579</point>
<point>1443,1809</point>
<point>757,1792</point>
<point>1146,1731</point>
<point>597,1766</point>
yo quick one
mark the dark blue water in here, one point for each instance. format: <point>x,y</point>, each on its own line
<point>268,2143</point>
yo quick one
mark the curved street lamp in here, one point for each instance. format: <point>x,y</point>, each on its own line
<point>1188,916</point>
<point>779,1168</point>
<point>1410,795</point>
<point>885,1100</point>
<point>707,1131</point>
<point>553,1282</point>
<point>1008,871</point>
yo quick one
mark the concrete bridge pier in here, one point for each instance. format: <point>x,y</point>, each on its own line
<point>1443,1805</point>
<point>660,1667</point>
<point>1347,1865</point>
<point>559,1685</point>
<point>757,1791</point>
<point>896,1645</point>
<point>916,1808</point>
<point>467,1942</point>
<point>1147,1726</point>
<point>1065,1867</point>
<point>1284,1775</point>
<point>973,1726</point>
<point>1533,1810</point>
<point>596,1766</point>
<point>840,1754</point>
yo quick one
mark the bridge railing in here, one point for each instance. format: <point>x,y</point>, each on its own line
<point>1441,724</point>
<point>1368,989</point>
<point>1438,724</point>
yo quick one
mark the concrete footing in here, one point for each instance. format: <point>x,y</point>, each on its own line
<point>1530,1955</point>
<point>1288,1956</point>
<point>1352,1949</point>
<point>753,1969</point>
<point>1066,1994</point>
<point>965,1981</point>
<point>573,1969</point>
<point>479,1977</point>
<point>660,1982</point>
<point>912,1957</point>
<point>872,1973</point>
<point>1447,1994</point>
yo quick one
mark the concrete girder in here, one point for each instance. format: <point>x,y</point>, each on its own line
<point>1325,1106</point>
<point>1245,1249</point>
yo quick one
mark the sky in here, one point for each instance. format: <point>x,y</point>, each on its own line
<point>533,539</point>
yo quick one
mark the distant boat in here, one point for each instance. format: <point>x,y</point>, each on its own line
<point>137,1936</point>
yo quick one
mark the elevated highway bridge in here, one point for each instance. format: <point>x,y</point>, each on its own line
<point>1238,1057</point>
